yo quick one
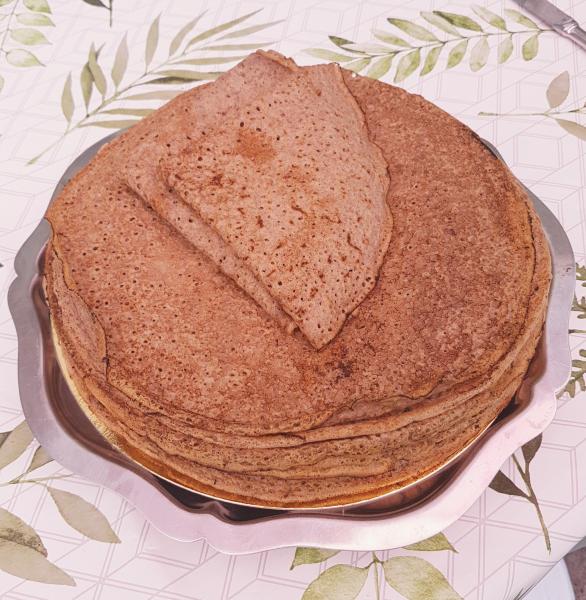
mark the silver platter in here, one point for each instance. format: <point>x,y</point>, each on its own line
<point>398,518</point>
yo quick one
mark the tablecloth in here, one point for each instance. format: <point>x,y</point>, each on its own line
<point>73,70</point>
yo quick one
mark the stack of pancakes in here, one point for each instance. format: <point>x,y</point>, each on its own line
<point>295,286</point>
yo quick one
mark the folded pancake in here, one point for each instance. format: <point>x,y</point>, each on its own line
<point>292,182</point>
<point>197,381</point>
<point>255,75</point>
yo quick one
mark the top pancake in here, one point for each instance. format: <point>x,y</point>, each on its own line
<point>450,303</point>
<point>293,183</point>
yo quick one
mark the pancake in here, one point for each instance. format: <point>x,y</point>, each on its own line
<point>195,376</point>
<point>302,200</point>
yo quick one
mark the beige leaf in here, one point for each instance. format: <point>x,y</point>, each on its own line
<point>249,30</point>
<point>67,106</point>
<point>573,128</point>
<point>158,95</point>
<point>96,71</point>
<point>40,458</point>
<point>122,124</point>
<point>27,563</point>
<point>220,28</point>
<point>134,112</point>
<point>14,529</point>
<point>558,90</point>
<point>182,33</point>
<point>120,62</point>
<point>83,516</point>
<point>152,42</point>
<point>16,443</point>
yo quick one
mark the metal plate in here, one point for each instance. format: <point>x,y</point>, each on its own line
<point>401,517</point>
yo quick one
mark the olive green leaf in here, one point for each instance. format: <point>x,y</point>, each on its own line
<point>182,34</point>
<point>416,579</point>
<point>440,23</point>
<point>457,53</point>
<point>220,28</point>
<point>531,47</point>
<point>248,30</point>
<point>578,375</point>
<point>407,65</point>
<point>22,561</point>
<point>38,19</point>
<point>6,2</point>
<point>38,6</point>
<point>581,274</point>
<point>120,62</point>
<point>309,556</point>
<point>342,43</point>
<point>369,48</point>
<point>503,485</point>
<point>212,60</point>
<point>152,42</point>
<point>123,124</point>
<point>14,529</point>
<point>234,47</point>
<point>67,106</point>
<point>383,36</point>
<point>16,442</point>
<point>433,544</point>
<point>22,58</point>
<point>341,582</point>
<point>490,17</point>
<point>520,18</point>
<point>431,60</point>
<point>28,36</point>
<point>1,82</point>
<point>380,67</point>
<point>479,54</point>
<point>328,55</point>
<point>558,90</point>
<point>505,49</point>
<point>461,21</point>
<point>83,516</point>
<point>414,30</point>
<point>97,74</point>
<point>40,459</point>
<point>579,306</point>
<point>158,95</point>
<point>357,65</point>
<point>530,448</point>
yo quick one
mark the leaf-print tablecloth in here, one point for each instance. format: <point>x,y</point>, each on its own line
<point>73,70</point>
